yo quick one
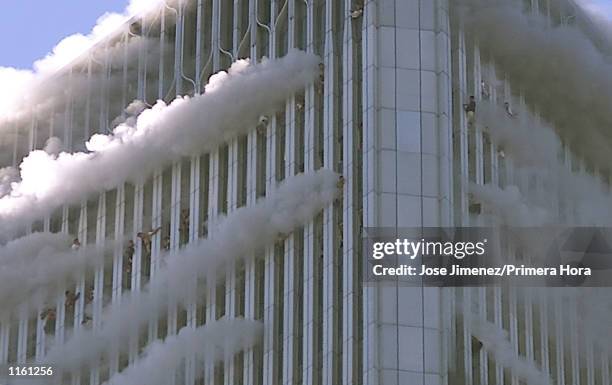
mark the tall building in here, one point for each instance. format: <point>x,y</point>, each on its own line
<point>387,113</point>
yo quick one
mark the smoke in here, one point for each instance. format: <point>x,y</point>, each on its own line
<point>495,340</point>
<point>8,175</point>
<point>36,268</point>
<point>535,151</point>
<point>232,105</point>
<point>244,232</point>
<point>509,205</point>
<point>14,83</point>
<point>30,245</point>
<point>211,342</point>
<point>558,69</point>
<point>529,142</point>
<point>21,87</point>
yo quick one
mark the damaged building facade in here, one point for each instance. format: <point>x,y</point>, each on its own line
<point>388,112</point>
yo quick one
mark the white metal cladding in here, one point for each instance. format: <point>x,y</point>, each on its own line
<point>382,114</point>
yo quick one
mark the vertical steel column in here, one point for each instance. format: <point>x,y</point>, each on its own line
<point>590,361</point>
<point>513,315</point>
<point>198,58</point>
<point>68,115</point>
<point>5,332</point>
<point>98,284</point>
<point>22,335</point>
<point>464,177</point>
<point>250,293</point>
<point>463,132</point>
<point>61,300</point>
<point>40,335</point>
<point>162,46</point>
<point>156,222</point>
<point>370,116</point>
<point>211,286</point>
<point>349,255</point>
<point>529,327</point>
<point>213,209</point>
<point>329,260</point>
<point>289,275</point>
<point>118,264</point>
<point>270,358</point>
<point>87,123</point>
<point>481,293</point>
<point>232,191</point>
<point>194,220</point>
<point>175,207</point>
<point>194,198</point>
<point>575,347</point>
<point>104,89</point>
<point>137,226</point>
<point>559,340</point>
<point>543,328</point>
<point>309,258</point>
<point>22,331</point>
<point>79,305</point>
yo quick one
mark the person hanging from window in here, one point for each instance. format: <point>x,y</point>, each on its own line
<point>71,299</point>
<point>321,79</point>
<point>87,320</point>
<point>184,226</point>
<point>470,109</point>
<point>48,313</point>
<point>128,255</point>
<point>76,244</point>
<point>357,11</point>
<point>484,90</point>
<point>146,240</point>
<point>205,228</point>
<point>358,137</point>
<point>509,111</point>
<point>474,207</point>
<point>262,125</point>
<point>89,295</point>
<point>166,243</point>
<point>48,316</point>
<point>476,345</point>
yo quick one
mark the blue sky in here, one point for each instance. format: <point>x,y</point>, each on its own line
<point>29,29</point>
<point>601,7</point>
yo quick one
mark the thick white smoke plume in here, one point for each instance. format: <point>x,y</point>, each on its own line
<point>211,342</point>
<point>31,245</point>
<point>495,341</point>
<point>36,273</point>
<point>568,82</point>
<point>20,86</point>
<point>558,69</point>
<point>242,233</point>
<point>509,205</point>
<point>536,151</point>
<point>527,141</point>
<point>8,175</point>
<point>232,105</point>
